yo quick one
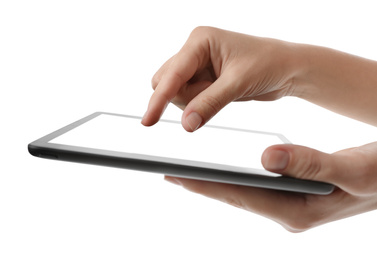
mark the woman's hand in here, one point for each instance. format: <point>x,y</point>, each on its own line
<point>353,171</point>
<point>216,67</point>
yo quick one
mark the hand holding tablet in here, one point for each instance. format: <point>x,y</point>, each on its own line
<point>214,68</point>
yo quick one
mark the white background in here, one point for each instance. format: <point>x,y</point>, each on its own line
<point>62,60</point>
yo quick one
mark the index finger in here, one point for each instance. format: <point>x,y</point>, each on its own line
<point>191,58</point>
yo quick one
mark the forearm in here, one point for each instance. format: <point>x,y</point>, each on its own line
<point>341,82</point>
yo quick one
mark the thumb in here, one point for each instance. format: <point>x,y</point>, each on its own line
<point>353,170</point>
<point>301,162</point>
<point>208,103</point>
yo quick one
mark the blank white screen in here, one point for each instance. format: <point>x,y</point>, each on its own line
<point>225,148</point>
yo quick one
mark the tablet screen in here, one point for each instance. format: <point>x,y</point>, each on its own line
<point>210,146</point>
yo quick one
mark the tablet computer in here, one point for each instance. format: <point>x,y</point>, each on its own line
<point>213,153</point>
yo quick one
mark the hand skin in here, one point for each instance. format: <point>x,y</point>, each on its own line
<point>201,80</point>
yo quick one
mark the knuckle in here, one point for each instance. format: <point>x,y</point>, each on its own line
<point>234,201</point>
<point>200,30</point>
<point>309,168</point>
<point>155,80</point>
<point>178,77</point>
<point>212,104</point>
<point>196,188</point>
<point>297,227</point>
<point>203,35</point>
<point>302,221</point>
<point>307,214</point>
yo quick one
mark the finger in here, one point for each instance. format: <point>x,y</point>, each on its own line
<point>181,69</point>
<point>282,207</point>
<point>258,200</point>
<point>352,170</point>
<point>209,102</point>
<point>300,162</point>
<point>294,211</point>
<point>189,92</point>
<point>159,74</point>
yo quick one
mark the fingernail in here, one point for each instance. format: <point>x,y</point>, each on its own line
<point>276,160</point>
<point>172,180</point>
<point>143,120</point>
<point>194,120</point>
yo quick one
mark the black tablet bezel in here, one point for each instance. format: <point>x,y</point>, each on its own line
<point>44,149</point>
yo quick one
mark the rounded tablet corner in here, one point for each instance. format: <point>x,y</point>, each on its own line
<point>322,188</point>
<point>31,150</point>
<point>330,189</point>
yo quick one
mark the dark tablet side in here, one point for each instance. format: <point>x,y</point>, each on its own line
<point>212,153</point>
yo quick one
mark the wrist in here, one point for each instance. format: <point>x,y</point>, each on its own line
<point>318,74</point>
<point>303,62</point>
<point>341,82</point>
